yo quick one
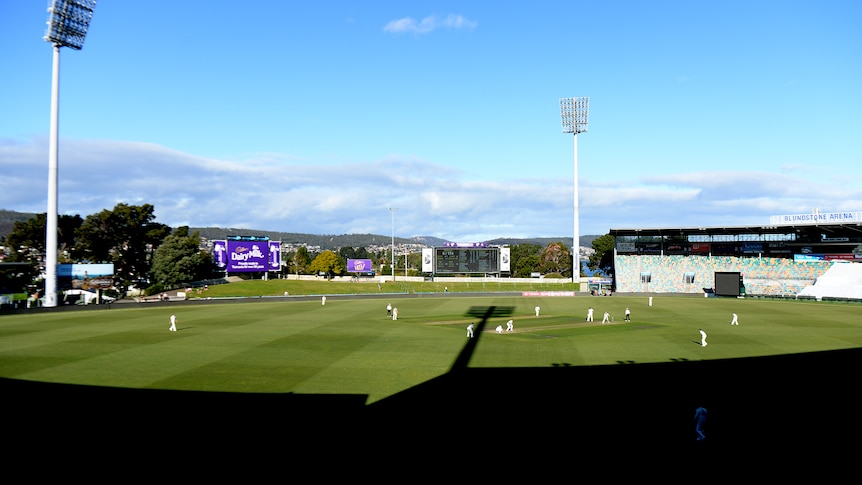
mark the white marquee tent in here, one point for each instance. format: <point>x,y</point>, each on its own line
<point>843,280</point>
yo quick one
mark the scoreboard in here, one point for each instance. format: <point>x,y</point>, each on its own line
<point>466,259</point>
<point>453,260</point>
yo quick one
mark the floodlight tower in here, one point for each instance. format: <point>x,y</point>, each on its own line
<point>393,210</point>
<point>574,113</point>
<point>68,21</point>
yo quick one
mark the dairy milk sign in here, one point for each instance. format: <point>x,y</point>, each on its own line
<point>247,256</point>
<point>359,266</point>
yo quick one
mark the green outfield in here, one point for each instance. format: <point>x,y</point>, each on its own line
<point>349,346</point>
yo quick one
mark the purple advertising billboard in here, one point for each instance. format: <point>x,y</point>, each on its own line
<point>247,256</point>
<point>220,254</point>
<point>274,255</point>
<point>359,266</point>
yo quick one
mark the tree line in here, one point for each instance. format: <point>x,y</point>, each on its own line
<point>150,255</point>
<point>142,250</point>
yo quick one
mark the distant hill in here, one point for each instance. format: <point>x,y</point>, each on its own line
<point>365,240</point>
<point>544,241</point>
<point>325,241</point>
<point>9,218</point>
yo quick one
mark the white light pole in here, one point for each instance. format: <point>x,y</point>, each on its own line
<point>392,211</point>
<point>574,113</point>
<point>68,21</point>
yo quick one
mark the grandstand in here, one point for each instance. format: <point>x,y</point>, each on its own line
<point>783,259</point>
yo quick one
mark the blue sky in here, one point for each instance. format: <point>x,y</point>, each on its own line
<point>317,117</point>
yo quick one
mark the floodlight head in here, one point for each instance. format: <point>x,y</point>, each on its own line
<point>574,113</point>
<point>68,21</point>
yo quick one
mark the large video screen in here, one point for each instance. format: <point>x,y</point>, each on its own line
<point>85,276</point>
<point>727,283</point>
<point>247,256</point>
<point>467,260</point>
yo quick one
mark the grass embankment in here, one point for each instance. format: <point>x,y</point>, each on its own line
<point>255,288</point>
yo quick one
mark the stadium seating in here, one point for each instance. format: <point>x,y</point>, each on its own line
<point>690,274</point>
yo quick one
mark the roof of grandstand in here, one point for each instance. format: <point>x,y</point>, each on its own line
<point>809,226</point>
<point>833,230</point>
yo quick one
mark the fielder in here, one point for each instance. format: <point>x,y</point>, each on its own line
<point>173,327</point>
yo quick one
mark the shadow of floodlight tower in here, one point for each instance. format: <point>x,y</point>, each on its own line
<point>68,21</point>
<point>574,113</point>
<point>483,314</point>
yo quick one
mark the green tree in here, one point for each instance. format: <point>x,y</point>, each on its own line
<point>179,259</point>
<point>414,263</point>
<point>329,263</point>
<point>16,277</point>
<point>380,260</point>
<point>347,252</point>
<point>525,259</point>
<point>602,260</point>
<point>125,236</point>
<point>556,258</point>
<point>301,260</point>
<point>27,239</point>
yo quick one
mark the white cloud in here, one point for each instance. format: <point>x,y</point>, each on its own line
<point>277,193</point>
<point>428,24</point>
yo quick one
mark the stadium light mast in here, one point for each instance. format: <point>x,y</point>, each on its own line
<point>574,113</point>
<point>393,210</point>
<point>68,21</point>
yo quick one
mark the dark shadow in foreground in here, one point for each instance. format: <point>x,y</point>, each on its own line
<point>785,406</point>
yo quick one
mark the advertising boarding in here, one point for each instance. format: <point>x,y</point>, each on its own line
<point>359,266</point>
<point>220,254</point>
<point>247,256</point>
<point>274,255</point>
<point>85,276</point>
